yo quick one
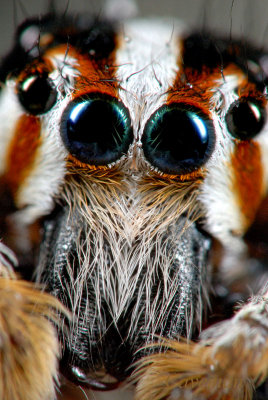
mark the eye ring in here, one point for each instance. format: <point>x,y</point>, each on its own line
<point>96,129</point>
<point>245,118</point>
<point>37,93</point>
<point>178,139</point>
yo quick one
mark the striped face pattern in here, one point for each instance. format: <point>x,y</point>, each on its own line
<point>132,146</point>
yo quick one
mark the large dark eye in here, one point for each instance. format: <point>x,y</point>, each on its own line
<point>245,118</point>
<point>178,139</point>
<point>96,129</point>
<point>37,94</point>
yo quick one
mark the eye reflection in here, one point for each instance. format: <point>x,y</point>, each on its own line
<point>37,94</point>
<point>178,139</point>
<point>96,129</point>
<point>245,118</point>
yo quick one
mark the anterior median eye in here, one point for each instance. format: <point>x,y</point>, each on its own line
<point>178,139</point>
<point>96,129</point>
<point>37,94</point>
<point>245,118</point>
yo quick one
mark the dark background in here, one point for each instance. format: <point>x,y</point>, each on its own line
<point>246,18</point>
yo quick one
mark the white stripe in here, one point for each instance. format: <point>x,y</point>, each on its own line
<point>147,60</point>
<point>223,215</point>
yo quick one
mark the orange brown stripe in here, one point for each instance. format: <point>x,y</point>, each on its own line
<point>72,161</point>
<point>193,176</point>
<point>248,179</point>
<point>22,152</point>
<point>95,76</point>
<point>197,88</point>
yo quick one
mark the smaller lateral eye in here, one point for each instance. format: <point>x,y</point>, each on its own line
<point>37,94</point>
<point>245,118</point>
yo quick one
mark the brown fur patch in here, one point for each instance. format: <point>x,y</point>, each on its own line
<point>22,152</point>
<point>230,360</point>
<point>29,347</point>
<point>248,179</point>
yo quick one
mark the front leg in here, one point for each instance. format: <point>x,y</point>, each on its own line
<point>28,341</point>
<point>228,362</point>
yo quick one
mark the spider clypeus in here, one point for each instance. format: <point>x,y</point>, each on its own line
<point>133,181</point>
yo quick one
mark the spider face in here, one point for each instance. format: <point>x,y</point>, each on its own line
<point>134,148</point>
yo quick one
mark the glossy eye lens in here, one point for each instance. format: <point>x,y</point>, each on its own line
<point>178,139</point>
<point>37,94</point>
<point>96,129</point>
<point>245,119</point>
